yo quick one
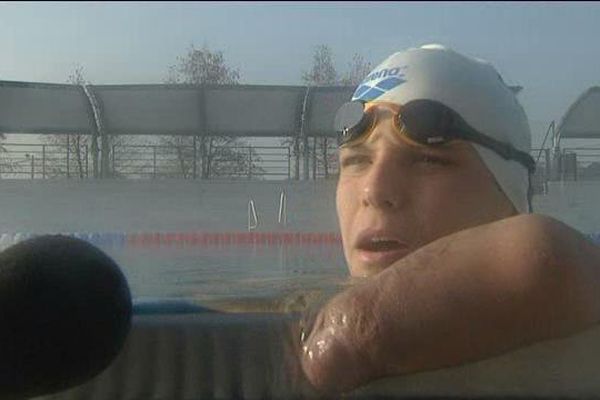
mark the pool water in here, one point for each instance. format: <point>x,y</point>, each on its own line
<point>255,273</point>
<point>252,274</point>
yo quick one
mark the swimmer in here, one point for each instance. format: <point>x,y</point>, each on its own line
<point>434,206</point>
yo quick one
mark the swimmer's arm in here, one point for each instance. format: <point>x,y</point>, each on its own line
<point>465,297</point>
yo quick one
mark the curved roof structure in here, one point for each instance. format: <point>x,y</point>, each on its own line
<point>582,119</point>
<point>233,110</point>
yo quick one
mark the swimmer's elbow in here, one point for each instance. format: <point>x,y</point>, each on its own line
<point>337,355</point>
<point>561,269</point>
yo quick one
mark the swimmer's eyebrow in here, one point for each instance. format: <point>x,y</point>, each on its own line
<point>448,150</point>
<point>451,149</point>
<point>357,148</point>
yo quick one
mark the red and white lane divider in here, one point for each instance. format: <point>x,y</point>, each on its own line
<point>154,239</point>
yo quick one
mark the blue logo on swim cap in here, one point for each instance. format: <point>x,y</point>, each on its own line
<point>368,90</point>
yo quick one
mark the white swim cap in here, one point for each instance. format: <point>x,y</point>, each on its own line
<point>470,86</point>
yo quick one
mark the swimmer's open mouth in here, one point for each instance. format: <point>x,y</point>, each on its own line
<point>379,240</point>
<point>381,244</point>
<point>380,248</point>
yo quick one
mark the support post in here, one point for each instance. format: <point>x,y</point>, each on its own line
<point>154,162</point>
<point>314,157</point>
<point>304,136</point>
<point>195,163</point>
<point>43,161</point>
<point>68,153</point>
<point>325,156</point>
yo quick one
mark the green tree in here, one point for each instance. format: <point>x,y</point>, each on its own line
<point>221,155</point>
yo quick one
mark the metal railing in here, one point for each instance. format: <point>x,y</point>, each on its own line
<point>43,161</point>
<point>282,220</point>
<point>153,161</point>
<point>282,212</point>
<point>539,180</point>
<point>581,162</point>
<point>250,162</point>
<point>585,155</point>
<point>52,161</point>
<point>252,215</point>
<point>232,162</point>
<point>324,157</point>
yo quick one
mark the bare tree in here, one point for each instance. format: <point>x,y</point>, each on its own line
<point>75,146</point>
<point>67,154</point>
<point>221,155</point>
<point>7,163</point>
<point>202,66</point>
<point>358,69</point>
<point>324,73</point>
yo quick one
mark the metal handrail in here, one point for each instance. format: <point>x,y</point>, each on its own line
<point>551,127</point>
<point>282,214</point>
<point>252,216</point>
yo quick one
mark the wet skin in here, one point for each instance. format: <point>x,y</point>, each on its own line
<point>451,273</point>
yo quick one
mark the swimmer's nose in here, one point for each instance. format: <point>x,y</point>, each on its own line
<point>383,186</point>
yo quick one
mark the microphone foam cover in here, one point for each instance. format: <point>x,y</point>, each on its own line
<point>65,312</point>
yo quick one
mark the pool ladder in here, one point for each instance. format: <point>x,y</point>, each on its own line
<point>281,214</point>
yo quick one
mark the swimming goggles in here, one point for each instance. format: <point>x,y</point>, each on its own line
<point>425,122</point>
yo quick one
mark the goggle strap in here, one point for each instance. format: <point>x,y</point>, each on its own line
<point>505,150</point>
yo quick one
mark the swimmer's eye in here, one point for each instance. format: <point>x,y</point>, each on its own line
<point>354,160</point>
<point>433,160</point>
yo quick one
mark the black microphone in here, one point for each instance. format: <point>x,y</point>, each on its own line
<point>65,312</point>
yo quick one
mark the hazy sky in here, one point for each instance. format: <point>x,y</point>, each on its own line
<point>551,49</point>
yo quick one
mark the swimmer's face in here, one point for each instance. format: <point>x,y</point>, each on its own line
<point>394,197</point>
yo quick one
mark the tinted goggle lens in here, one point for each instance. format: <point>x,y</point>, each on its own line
<point>428,122</point>
<point>351,122</point>
<point>422,121</point>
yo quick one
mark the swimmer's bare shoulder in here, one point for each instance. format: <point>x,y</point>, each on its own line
<point>465,297</point>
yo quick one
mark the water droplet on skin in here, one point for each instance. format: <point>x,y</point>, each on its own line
<point>337,318</point>
<point>321,346</point>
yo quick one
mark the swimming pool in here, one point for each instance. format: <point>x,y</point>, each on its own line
<point>244,355</point>
<point>189,239</point>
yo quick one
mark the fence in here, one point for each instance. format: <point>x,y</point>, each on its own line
<point>324,157</point>
<point>539,179</point>
<point>582,162</point>
<point>189,162</point>
<point>69,160</point>
<point>151,161</point>
<point>33,161</point>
